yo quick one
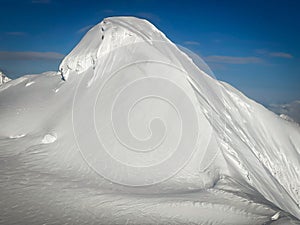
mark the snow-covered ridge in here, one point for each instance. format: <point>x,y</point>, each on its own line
<point>111,33</point>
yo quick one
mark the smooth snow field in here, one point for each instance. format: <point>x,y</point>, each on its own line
<point>139,131</point>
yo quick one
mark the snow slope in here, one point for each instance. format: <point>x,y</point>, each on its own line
<point>138,134</point>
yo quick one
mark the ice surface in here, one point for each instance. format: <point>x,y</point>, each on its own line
<point>140,133</point>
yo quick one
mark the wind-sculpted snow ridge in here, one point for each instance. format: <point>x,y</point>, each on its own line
<point>140,132</point>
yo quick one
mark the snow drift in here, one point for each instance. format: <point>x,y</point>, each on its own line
<point>139,134</point>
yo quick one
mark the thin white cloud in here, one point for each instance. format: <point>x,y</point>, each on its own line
<point>281,55</point>
<point>16,33</point>
<point>191,43</point>
<point>84,29</point>
<point>284,55</point>
<point>5,55</point>
<point>232,59</point>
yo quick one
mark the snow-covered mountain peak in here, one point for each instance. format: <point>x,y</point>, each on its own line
<point>108,35</point>
<point>139,123</point>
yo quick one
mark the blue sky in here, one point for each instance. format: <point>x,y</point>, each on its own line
<point>253,45</point>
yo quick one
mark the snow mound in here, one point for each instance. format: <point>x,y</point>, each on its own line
<point>49,138</point>
<point>3,78</point>
<point>143,135</point>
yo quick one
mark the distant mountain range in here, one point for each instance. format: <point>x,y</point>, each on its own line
<point>289,111</point>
